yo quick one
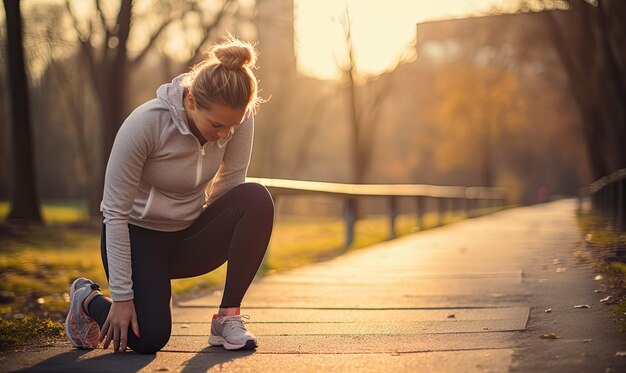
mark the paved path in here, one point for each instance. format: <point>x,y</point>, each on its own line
<point>466,297</point>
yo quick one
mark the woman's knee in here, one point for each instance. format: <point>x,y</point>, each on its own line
<point>151,340</point>
<point>257,195</point>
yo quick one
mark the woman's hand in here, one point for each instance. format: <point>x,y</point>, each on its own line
<point>115,327</point>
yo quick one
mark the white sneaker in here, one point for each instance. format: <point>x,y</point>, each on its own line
<point>230,332</point>
<point>81,330</point>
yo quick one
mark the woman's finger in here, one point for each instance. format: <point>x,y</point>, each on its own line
<point>116,338</point>
<point>123,338</point>
<point>109,336</point>
<point>135,324</point>
<point>104,330</point>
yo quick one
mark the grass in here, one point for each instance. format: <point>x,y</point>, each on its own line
<point>55,212</point>
<point>14,332</point>
<point>37,265</point>
<point>601,241</point>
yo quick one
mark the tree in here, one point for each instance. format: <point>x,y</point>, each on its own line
<point>479,105</point>
<point>5,143</point>
<point>364,104</point>
<point>589,38</point>
<point>24,200</point>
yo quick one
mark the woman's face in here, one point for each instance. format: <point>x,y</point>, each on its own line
<point>217,123</point>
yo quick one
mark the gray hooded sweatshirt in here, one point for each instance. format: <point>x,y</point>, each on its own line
<point>159,176</point>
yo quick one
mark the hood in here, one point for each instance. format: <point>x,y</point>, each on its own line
<point>172,94</point>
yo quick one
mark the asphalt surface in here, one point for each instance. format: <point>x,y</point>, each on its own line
<point>468,297</point>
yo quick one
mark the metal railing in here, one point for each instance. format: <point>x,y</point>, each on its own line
<point>470,199</point>
<point>607,197</point>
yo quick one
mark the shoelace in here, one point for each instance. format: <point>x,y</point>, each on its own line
<point>234,321</point>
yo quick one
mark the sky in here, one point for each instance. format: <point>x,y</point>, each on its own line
<point>381,32</point>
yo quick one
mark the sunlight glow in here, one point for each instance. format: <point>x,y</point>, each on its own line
<point>381,33</point>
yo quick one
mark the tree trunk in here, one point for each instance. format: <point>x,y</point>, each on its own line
<point>24,200</point>
<point>596,82</point>
<point>109,77</point>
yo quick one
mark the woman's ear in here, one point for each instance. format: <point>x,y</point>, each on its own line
<point>192,102</point>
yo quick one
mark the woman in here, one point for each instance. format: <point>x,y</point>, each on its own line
<point>175,205</point>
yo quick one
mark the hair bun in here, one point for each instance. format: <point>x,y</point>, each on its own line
<point>235,54</point>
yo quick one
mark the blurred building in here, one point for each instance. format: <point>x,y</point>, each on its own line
<point>547,147</point>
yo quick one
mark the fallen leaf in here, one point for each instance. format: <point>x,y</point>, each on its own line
<point>548,336</point>
<point>555,261</point>
<point>561,269</point>
<point>598,277</point>
<point>598,291</point>
<point>548,310</point>
<point>184,326</point>
<point>607,299</point>
<point>582,306</point>
<point>620,354</point>
<point>586,340</point>
<point>588,237</point>
<point>41,301</point>
<point>451,316</point>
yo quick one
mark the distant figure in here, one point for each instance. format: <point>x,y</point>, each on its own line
<point>543,194</point>
<point>175,205</point>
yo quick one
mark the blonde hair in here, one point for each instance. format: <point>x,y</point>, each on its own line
<point>225,77</point>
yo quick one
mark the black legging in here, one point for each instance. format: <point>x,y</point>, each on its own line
<point>236,227</point>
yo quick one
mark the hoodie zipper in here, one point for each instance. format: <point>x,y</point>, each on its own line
<point>199,166</point>
<point>148,203</point>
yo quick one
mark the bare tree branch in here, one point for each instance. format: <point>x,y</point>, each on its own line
<point>105,27</point>
<point>611,56</point>
<point>371,109</point>
<point>73,109</point>
<point>349,71</point>
<point>209,28</point>
<point>90,26</point>
<point>107,32</point>
<point>137,60</point>
<point>124,12</point>
<point>74,20</point>
<point>123,30</point>
<point>85,42</point>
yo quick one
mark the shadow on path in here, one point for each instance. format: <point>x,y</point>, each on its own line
<point>75,361</point>
<point>210,357</point>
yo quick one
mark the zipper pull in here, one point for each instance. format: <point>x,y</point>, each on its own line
<point>202,150</point>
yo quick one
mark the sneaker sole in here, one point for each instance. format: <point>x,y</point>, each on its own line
<point>219,341</point>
